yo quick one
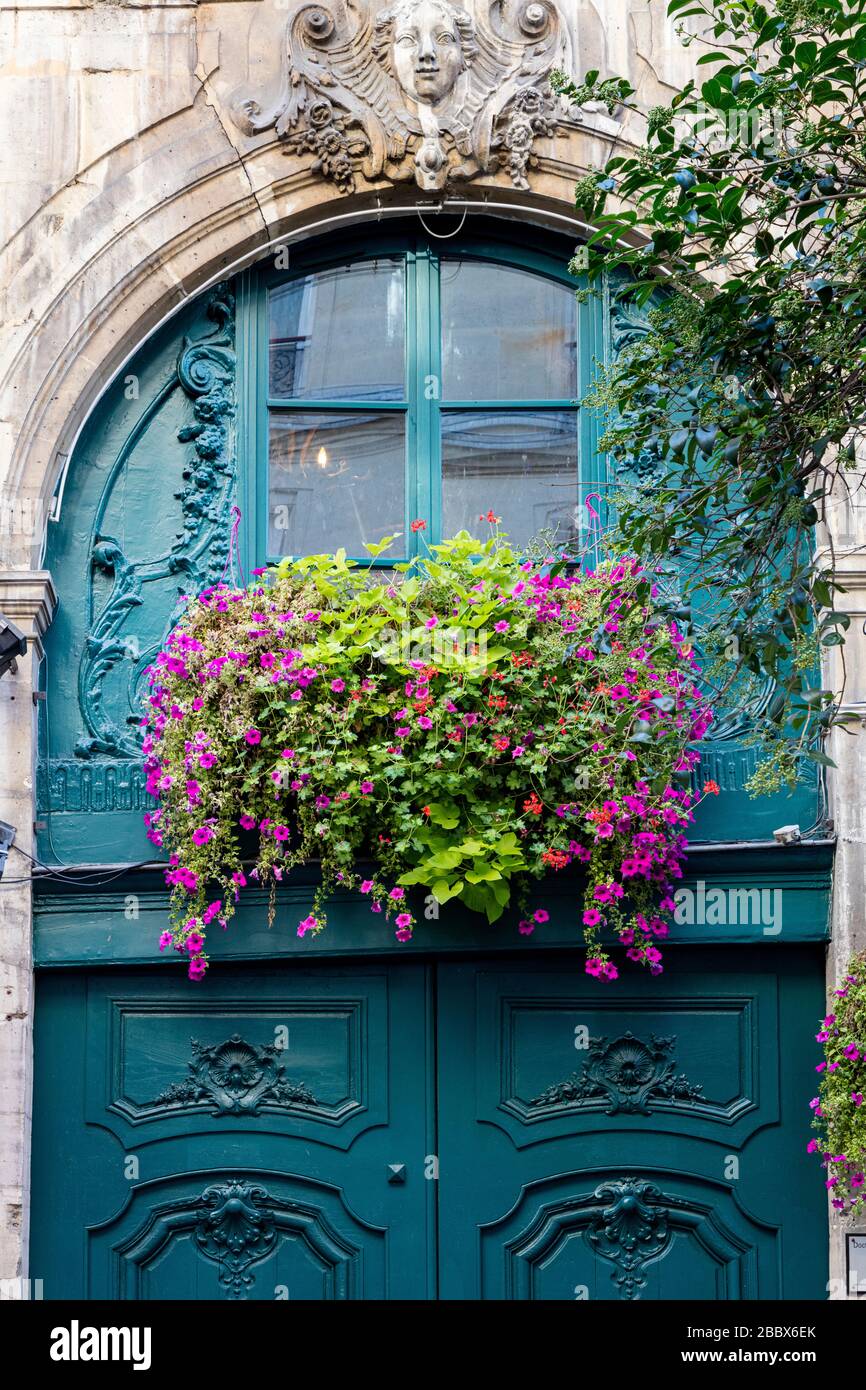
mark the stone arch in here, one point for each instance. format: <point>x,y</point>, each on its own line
<point>174,172</point>
<point>98,318</point>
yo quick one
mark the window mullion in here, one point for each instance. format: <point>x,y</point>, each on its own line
<point>593,465</point>
<point>252,423</point>
<point>425,391</point>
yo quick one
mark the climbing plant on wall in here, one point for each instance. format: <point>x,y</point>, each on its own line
<point>745,398</point>
<point>462,727</point>
<point>839,1109</point>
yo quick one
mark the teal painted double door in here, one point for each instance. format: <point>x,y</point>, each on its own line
<point>483,1128</point>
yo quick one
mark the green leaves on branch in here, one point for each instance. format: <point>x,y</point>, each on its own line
<point>839,1109</point>
<point>733,243</point>
<point>464,729</point>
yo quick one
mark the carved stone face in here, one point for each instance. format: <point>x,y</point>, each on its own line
<point>427,50</point>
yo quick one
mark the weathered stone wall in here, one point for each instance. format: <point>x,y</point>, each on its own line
<point>128,183</point>
<point>845,671</point>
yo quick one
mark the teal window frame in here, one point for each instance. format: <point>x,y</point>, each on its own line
<point>423,464</point>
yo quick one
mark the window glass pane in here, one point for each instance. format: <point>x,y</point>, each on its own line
<point>335,479</point>
<point>506,334</point>
<point>522,464</point>
<point>338,334</point>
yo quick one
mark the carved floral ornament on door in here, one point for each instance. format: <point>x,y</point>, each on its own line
<point>420,89</point>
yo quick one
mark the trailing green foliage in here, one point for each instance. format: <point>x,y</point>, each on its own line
<point>839,1109</point>
<point>466,729</point>
<point>738,230</point>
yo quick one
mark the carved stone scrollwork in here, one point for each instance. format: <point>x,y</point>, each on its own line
<point>628,1072</point>
<point>237,1079</point>
<point>418,89</point>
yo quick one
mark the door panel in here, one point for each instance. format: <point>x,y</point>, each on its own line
<point>236,1140</point>
<point>217,1234</point>
<point>591,1236</point>
<point>627,1142</point>
<point>233,1140</point>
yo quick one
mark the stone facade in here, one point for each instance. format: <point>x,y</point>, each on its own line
<point>27,597</point>
<point>152,148</point>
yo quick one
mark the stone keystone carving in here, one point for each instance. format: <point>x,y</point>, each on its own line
<point>419,89</point>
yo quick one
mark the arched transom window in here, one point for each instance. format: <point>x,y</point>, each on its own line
<point>415,381</point>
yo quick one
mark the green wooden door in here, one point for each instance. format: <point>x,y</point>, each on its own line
<point>325,1131</point>
<point>663,1159</point>
<point>234,1142</point>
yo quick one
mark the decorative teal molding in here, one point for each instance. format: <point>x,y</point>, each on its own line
<point>235,1223</point>
<point>731,767</point>
<point>205,372</point>
<point>628,324</point>
<point>122,922</point>
<point>235,1078</point>
<point>629,1072</point>
<point>237,1229</point>
<point>93,786</point>
<point>630,1231</point>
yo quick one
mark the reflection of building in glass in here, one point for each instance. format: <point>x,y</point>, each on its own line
<point>524,465</point>
<point>506,334</point>
<point>485,418</point>
<point>286,368</point>
<point>338,334</point>
<point>335,474</point>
